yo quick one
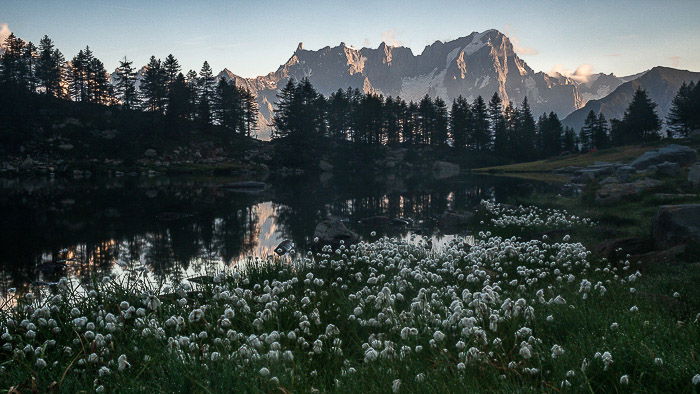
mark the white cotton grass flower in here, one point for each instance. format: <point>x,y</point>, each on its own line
<point>696,379</point>
<point>196,315</point>
<point>658,361</point>
<point>264,371</point>
<point>634,308</point>
<point>40,363</point>
<point>123,363</point>
<point>395,385</point>
<point>625,379</point>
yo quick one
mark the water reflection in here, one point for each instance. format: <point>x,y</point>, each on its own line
<point>174,227</point>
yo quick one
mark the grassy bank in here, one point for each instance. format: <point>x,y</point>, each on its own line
<point>617,154</point>
<point>501,315</point>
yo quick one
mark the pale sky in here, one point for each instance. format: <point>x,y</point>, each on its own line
<point>254,37</point>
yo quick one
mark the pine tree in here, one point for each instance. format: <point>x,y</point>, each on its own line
<point>600,138</point>
<point>460,122</point>
<point>525,132</point>
<point>439,132</point>
<point>152,86</point>
<point>498,125</point>
<point>641,123</point>
<point>179,99</point>
<point>126,85</point>
<point>30,59</point>
<point>283,120</point>
<point>684,115</point>
<point>569,140</point>
<point>79,84</point>
<point>586,135</point>
<point>207,84</point>
<point>250,111</point>
<point>12,63</point>
<point>193,86</point>
<point>426,120</point>
<point>171,69</point>
<point>50,68</point>
<point>481,138</point>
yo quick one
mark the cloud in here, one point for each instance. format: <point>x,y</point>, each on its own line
<point>389,37</point>
<point>366,43</point>
<point>613,54</point>
<point>517,46</point>
<point>4,32</point>
<point>581,74</point>
<point>675,60</point>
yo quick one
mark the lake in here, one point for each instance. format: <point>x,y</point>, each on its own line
<point>179,227</point>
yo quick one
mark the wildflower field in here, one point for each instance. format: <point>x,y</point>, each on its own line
<point>504,313</point>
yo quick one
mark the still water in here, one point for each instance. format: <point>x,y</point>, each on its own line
<point>176,227</point>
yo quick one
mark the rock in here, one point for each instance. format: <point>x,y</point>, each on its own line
<point>694,175</point>
<point>674,196</point>
<point>443,169</point>
<point>624,173</point>
<point>571,189</point>
<point>679,154</point>
<point>618,248</point>
<point>610,179</point>
<point>26,163</point>
<point>65,147</point>
<point>325,166</point>
<point>675,225</point>
<point>150,152</point>
<point>668,168</point>
<point>452,220</point>
<point>332,231</point>
<point>284,247</point>
<point>613,192</point>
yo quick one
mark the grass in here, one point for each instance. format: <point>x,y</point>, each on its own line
<point>623,154</point>
<point>353,319</point>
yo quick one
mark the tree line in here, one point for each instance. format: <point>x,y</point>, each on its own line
<point>160,87</point>
<point>506,130</point>
<point>495,127</point>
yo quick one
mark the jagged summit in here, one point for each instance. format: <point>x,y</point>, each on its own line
<point>479,63</point>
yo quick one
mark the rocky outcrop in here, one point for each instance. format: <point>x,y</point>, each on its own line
<point>676,224</point>
<point>679,154</point>
<point>614,192</point>
<point>332,231</point>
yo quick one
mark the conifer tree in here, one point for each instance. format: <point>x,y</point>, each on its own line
<point>640,122</point>
<point>207,85</point>
<point>481,138</point>
<point>50,67</point>
<point>498,125</point>
<point>152,86</point>
<point>684,114</point>
<point>179,99</point>
<point>126,85</point>
<point>439,131</point>
<point>460,122</point>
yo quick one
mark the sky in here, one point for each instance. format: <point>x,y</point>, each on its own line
<point>253,37</point>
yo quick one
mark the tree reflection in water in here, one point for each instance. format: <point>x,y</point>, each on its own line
<point>174,227</point>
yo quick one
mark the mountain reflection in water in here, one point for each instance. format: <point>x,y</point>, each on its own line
<point>174,228</point>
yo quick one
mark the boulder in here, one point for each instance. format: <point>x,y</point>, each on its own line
<point>332,231</point>
<point>676,224</point>
<point>614,192</point>
<point>668,168</point>
<point>694,175</point>
<point>674,153</point>
<point>150,152</point>
<point>454,220</point>
<point>443,169</point>
<point>610,179</point>
<point>624,173</point>
<point>65,146</point>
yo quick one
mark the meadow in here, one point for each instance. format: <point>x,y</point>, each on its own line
<point>524,307</point>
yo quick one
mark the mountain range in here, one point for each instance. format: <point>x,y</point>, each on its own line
<point>660,83</point>
<point>473,65</point>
